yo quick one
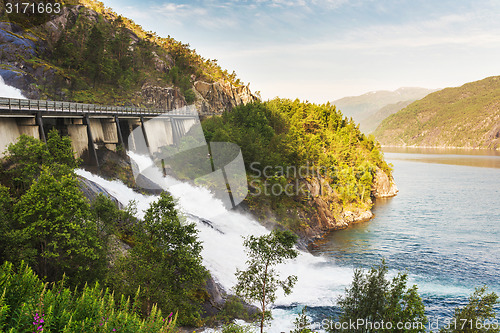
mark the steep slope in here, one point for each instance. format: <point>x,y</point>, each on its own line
<point>369,124</point>
<point>87,53</point>
<point>466,116</point>
<point>362,108</point>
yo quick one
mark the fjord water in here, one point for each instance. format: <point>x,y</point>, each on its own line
<point>443,227</point>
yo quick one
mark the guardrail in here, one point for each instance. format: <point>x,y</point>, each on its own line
<point>15,104</point>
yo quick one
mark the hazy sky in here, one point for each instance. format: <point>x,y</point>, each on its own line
<point>321,50</point>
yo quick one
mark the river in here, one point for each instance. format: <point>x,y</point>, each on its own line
<point>443,227</point>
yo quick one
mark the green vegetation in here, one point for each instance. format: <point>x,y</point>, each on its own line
<point>260,281</point>
<point>165,262</point>
<point>98,56</point>
<point>281,137</point>
<point>302,323</point>
<point>46,223</point>
<point>27,304</point>
<point>477,316</point>
<point>235,328</point>
<point>465,116</point>
<point>375,299</point>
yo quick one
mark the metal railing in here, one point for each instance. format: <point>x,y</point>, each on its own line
<point>16,105</point>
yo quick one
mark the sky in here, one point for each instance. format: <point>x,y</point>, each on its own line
<point>322,50</point>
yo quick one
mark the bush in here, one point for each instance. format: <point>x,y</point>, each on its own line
<point>475,316</point>
<point>29,155</point>
<point>29,305</point>
<point>375,299</point>
<point>235,328</point>
<point>55,231</point>
<point>165,263</point>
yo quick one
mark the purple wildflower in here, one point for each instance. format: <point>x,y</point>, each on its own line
<point>38,323</point>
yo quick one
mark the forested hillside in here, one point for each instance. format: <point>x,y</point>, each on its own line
<point>326,168</point>
<point>466,116</point>
<point>88,53</point>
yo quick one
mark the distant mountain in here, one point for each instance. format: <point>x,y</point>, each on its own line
<point>369,124</point>
<point>466,116</point>
<point>367,108</point>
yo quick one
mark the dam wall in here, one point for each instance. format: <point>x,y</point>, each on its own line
<point>90,133</point>
<point>12,128</point>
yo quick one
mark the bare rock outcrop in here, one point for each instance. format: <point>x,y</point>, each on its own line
<point>220,96</point>
<point>384,186</point>
<point>323,210</point>
<point>162,98</point>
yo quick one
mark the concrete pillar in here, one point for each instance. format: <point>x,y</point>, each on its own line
<point>92,150</point>
<point>39,122</point>
<point>145,134</point>
<point>119,133</point>
<point>9,133</point>
<point>176,136</point>
<point>28,126</point>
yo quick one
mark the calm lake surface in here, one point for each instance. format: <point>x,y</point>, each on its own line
<point>443,227</point>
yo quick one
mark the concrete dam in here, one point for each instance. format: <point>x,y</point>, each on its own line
<point>93,127</point>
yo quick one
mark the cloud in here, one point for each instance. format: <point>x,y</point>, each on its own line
<point>189,15</point>
<point>172,8</point>
<point>465,30</point>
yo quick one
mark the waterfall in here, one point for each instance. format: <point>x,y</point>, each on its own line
<point>8,91</point>
<point>319,283</point>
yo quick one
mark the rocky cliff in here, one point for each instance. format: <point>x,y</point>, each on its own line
<point>219,96</point>
<point>326,215</point>
<point>322,212</point>
<point>48,61</point>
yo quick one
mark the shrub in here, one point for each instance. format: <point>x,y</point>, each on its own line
<point>29,305</point>
<point>373,298</point>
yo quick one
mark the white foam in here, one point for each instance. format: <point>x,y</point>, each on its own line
<point>8,91</point>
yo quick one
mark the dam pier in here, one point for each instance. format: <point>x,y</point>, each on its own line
<point>92,126</point>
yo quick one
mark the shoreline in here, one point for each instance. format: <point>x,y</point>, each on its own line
<point>441,147</point>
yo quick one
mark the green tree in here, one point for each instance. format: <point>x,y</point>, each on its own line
<point>165,263</point>
<point>5,222</point>
<point>61,150</point>
<point>476,315</point>
<point>54,230</point>
<point>27,155</point>
<point>302,323</point>
<point>372,298</point>
<point>260,281</point>
<point>94,54</point>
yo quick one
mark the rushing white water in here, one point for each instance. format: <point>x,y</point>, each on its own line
<point>8,91</point>
<point>319,281</point>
